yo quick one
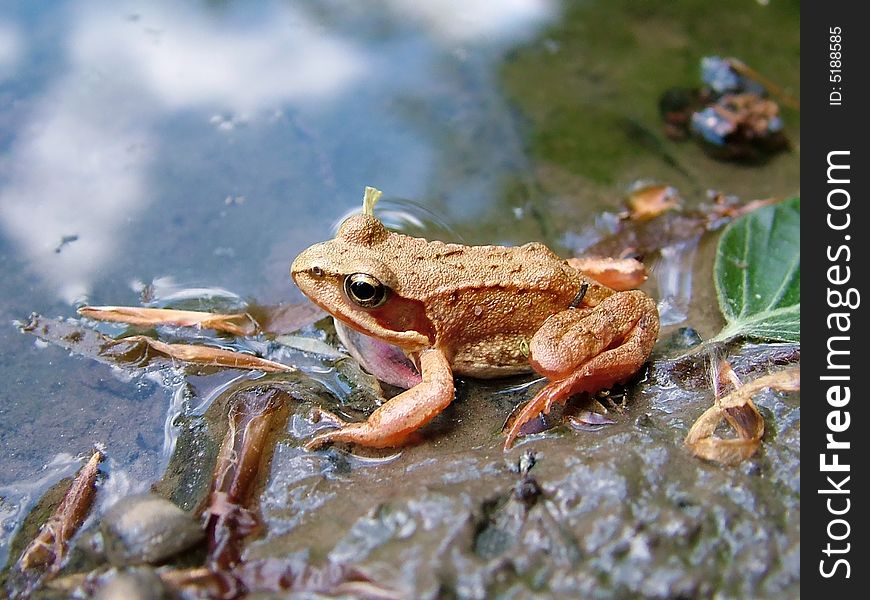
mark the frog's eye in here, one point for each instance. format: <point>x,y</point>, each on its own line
<point>365,290</point>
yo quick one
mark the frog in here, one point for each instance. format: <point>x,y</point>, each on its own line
<point>472,311</point>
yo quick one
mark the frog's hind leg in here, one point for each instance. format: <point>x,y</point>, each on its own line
<point>586,350</point>
<point>392,423</point>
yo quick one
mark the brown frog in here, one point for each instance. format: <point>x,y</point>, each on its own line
<point>478,311</point>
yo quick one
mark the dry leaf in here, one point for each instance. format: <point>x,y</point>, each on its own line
<point>642,237</point>
<point>139,350</point>
<point>198,355</point>
<point>48,548</point>
<point>253,413</point>
<point>285,318</point>
<point>652,200</point>
<point>241,324</point>
<point>587,420</point>
<point>740,412</point>
<point>616,273</point>
<point>725,377</point>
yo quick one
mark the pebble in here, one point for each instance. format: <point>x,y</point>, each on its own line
<point>146,528</point>
<point>140,583</point>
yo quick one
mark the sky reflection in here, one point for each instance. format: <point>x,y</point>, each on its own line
<point>476,20</point>
<point>10,49</point>
<point>182,60</point>
<point>78,166</point>
<point>77,181</point>
<point>206,145</point>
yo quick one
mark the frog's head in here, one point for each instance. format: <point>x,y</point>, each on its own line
<point>350,278</point>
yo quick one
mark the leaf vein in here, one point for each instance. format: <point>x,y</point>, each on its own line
<point>786,280</point>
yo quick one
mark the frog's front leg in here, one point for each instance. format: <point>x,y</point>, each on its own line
<point>392,423</point>
<point>589,349</point>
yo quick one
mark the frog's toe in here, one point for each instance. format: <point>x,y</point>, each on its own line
<point>321,414</point>
<point>556,391</point>
<point>320,440</point>
<point>362,434</point>
<point>347,432</point>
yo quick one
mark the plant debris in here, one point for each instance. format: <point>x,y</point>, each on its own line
<point>643,237</point>
<point>650,200</point>
<point>43,558</point>
<point>280,319</point>
<point>615,273</point>
<point>237,324</point>
<point>587,420</point>
<point>49,547</point>
<point>253,413</point>
<point>140,350</point>
<point>742,415</point>
<point>731,114</point>
<point>370,198</point>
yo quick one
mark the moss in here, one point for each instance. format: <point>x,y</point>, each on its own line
<point>608,62</point>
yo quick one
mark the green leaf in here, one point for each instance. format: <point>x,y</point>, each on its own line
<point>758,274</point>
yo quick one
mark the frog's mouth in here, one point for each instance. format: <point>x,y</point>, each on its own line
<point>399,321</point>
<point>372,324</point>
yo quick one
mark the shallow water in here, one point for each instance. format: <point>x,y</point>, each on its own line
<point>204,146</point>
<point>178,147</point>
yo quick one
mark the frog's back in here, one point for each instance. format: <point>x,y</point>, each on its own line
<point>485,302</point>
<point>440,268</point>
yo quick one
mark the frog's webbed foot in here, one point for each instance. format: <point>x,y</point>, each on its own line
<point>323,415</point>
<point>348,432</point>
<point>587,350</point>
<point>392,423</point>
<point>541,403</point>
<point>362,433</point>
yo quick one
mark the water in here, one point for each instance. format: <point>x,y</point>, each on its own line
<point>243,127</point>
<point>203,145</point>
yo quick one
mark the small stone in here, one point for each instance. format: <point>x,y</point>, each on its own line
<point>146,528</point>
<point>140,583</point>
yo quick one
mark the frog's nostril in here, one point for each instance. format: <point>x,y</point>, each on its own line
<point>317,271</point>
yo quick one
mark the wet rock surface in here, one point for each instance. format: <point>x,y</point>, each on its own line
<point>621,509</point>
<point>625,511</point>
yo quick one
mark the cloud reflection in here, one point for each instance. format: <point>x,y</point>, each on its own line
<point>186,60</point>
<point>76,171</point>
<point>477,20</point>
<point>10,49</point>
